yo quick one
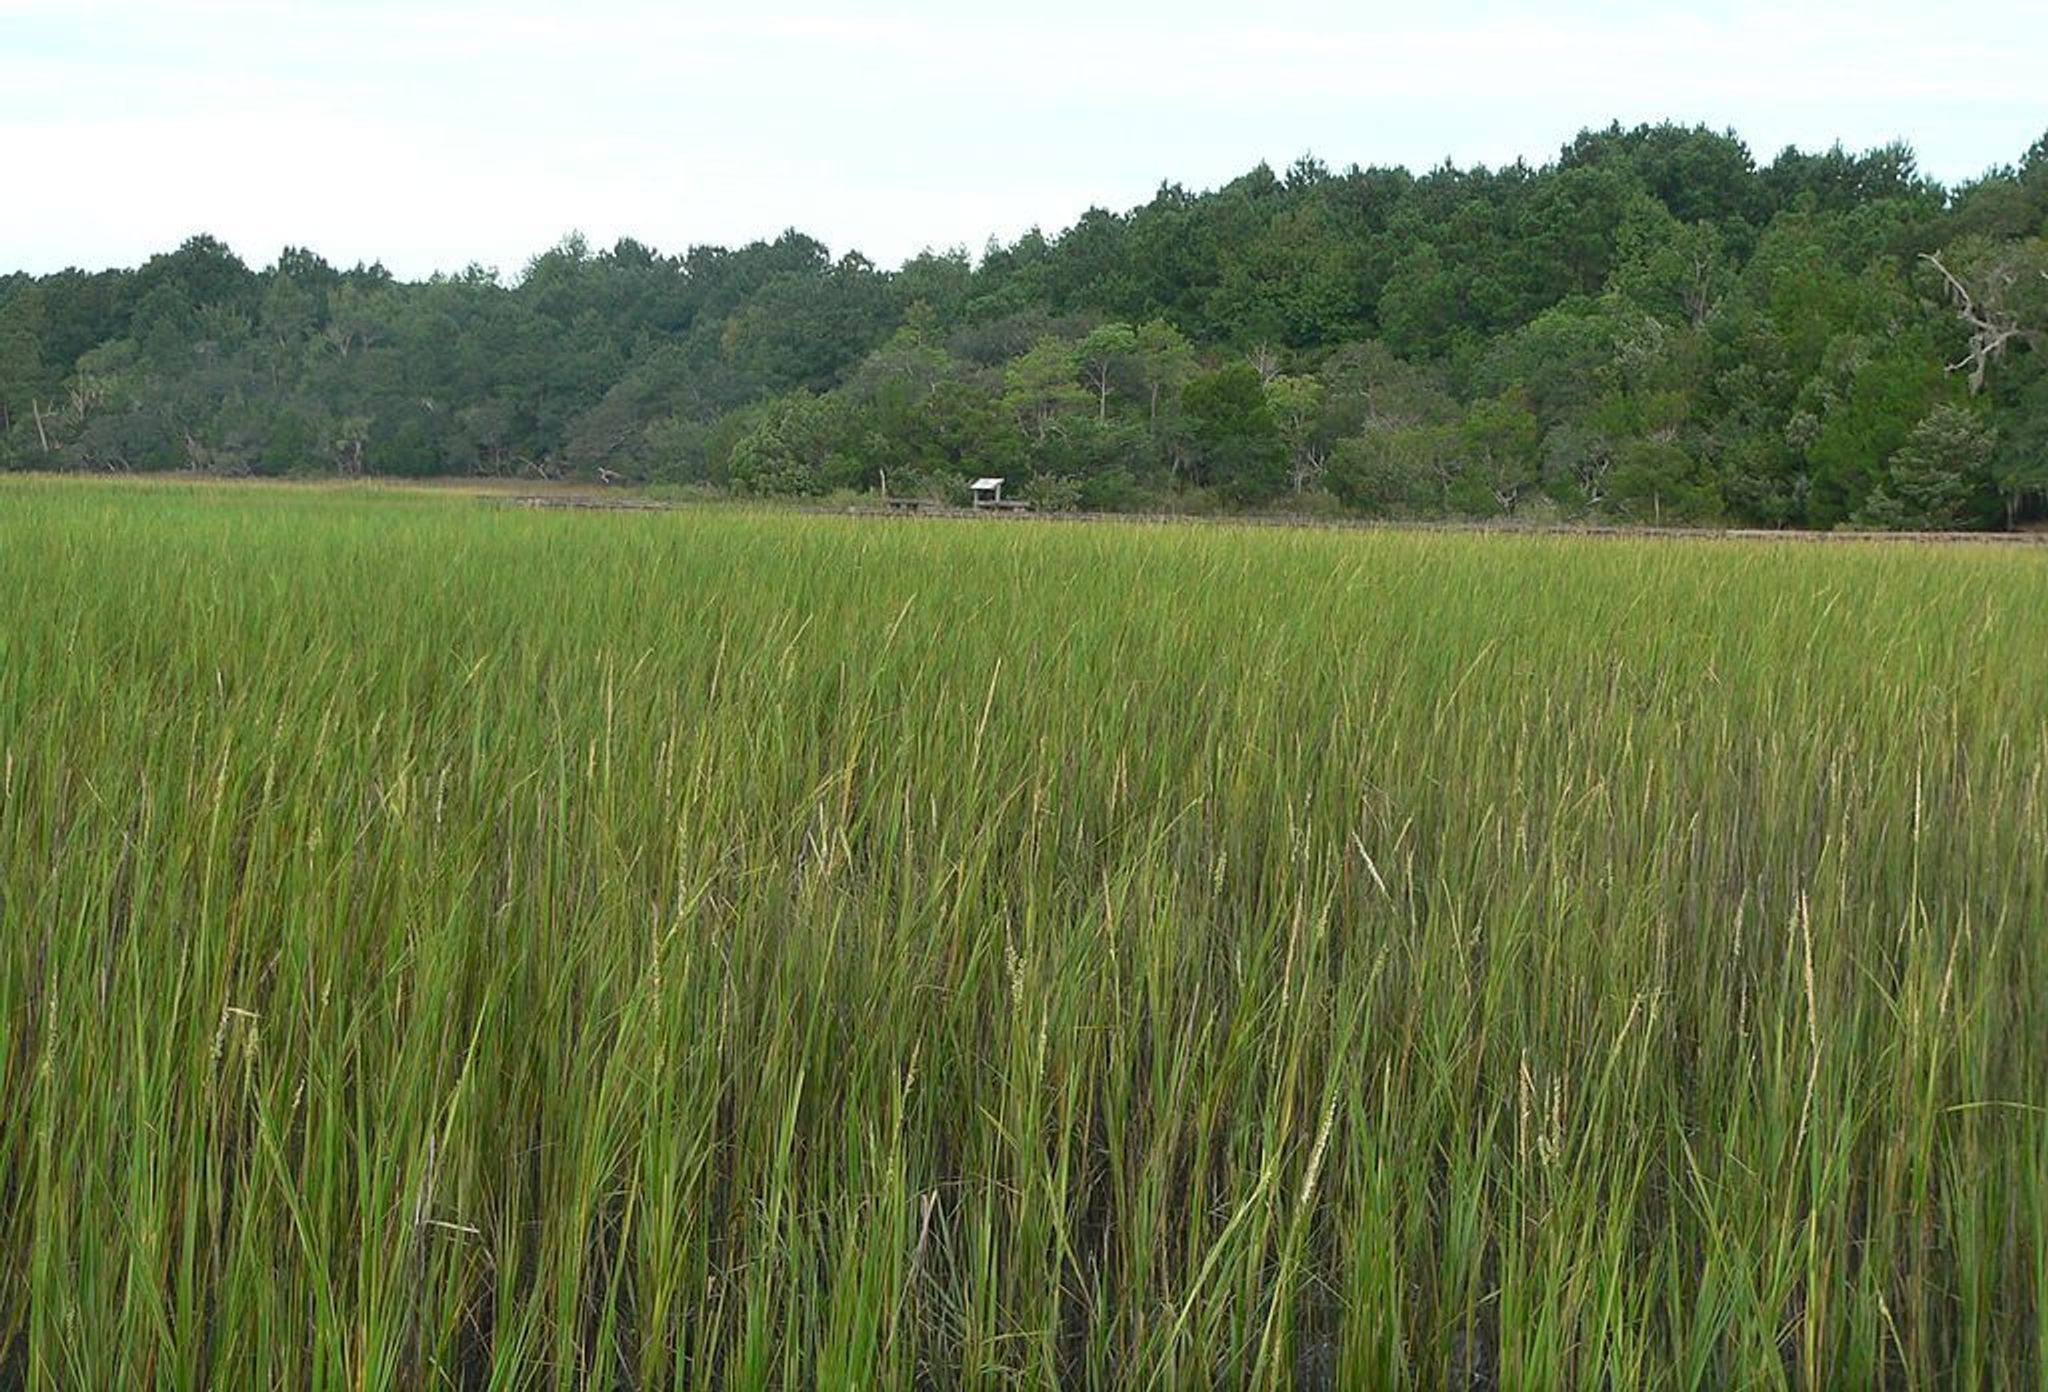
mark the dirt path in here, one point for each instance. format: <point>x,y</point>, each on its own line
<point>1366,524</point>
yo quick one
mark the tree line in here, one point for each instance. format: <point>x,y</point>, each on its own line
<point>1653,326</point>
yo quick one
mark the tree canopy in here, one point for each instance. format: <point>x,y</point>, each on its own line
<point>1655,325</point>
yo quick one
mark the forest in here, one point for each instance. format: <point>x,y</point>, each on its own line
<point>1653,327</point>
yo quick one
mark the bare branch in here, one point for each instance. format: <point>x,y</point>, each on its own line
<point>1991,326</point>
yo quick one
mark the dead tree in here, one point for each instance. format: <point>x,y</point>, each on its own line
<point>1989,315</point>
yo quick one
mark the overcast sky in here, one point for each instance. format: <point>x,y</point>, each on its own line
<point>433,133</point>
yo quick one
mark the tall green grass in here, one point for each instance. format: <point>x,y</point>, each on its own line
<point>452,946</point>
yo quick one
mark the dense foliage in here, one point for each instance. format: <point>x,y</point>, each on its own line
<point>1653,326</point>
<point>465,947</point>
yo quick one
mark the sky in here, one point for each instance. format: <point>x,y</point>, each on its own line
<point>433,134</point>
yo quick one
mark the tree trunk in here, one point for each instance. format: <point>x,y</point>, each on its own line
<point>42,435</point>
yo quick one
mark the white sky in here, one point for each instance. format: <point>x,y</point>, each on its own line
<point>432,133</point>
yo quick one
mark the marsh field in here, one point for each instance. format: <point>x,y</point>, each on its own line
<point>450,945</point>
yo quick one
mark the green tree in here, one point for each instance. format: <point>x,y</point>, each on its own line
<point>1166,360</point>
<point>1103,355</point>
<point>1502,440</point>
<point>1238,447</point>
<point>347,438</point>
<point>1658,482</point>
<point>1676,271</point>
<point>288,311</point>
<point>1293,282</point>
<point>1409,469</point>
<point>1367,388</point>
<point>1297,407</point>
<point>793,446</point>
<point>1558,361</point>
<point>1422,310</point>
<point>1928,484</point>
<point>2019,469</point>
<point>1886,394</point>
<point>24,378</point>
<point>1042,385</point>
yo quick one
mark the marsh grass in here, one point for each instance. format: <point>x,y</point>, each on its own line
<point>450,946</point>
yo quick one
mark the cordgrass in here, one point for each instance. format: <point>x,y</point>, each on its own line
<point>448,945</point>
